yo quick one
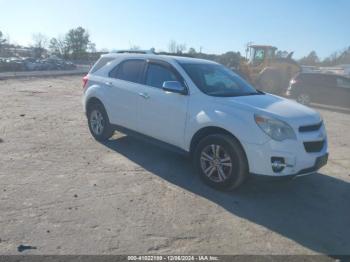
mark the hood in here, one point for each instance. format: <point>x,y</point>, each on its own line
<point>274,106</point>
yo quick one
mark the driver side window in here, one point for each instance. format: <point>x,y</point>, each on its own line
<point>157,75</point>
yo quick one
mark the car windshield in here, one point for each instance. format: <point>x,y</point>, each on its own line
<point>217,80</point>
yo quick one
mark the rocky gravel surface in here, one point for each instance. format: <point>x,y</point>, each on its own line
<point>61,192</point>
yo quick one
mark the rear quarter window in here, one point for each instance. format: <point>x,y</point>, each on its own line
<point>101,63</point>
<point>129,70</point>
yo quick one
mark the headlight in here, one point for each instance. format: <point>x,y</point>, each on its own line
<point>276,129</point>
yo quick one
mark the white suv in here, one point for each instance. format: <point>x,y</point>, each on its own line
<point>228,127</point>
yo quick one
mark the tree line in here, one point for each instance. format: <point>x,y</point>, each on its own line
<point>336,58</point>
<point>230,59</point>
<point>76,44</point>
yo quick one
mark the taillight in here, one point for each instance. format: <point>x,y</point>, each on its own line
<point>85,80</point>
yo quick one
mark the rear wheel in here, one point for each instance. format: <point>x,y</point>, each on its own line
<point>304,99</point>
<point>221,162</point>
<point>98,121</point>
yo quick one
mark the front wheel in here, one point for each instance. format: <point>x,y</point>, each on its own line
<point>98,121</point>
<point>221,162</point>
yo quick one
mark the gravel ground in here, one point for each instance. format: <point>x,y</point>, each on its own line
<point>64,193</point>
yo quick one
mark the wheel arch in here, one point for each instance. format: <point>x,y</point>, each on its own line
<point>210,130</point>
<point>92,100</point>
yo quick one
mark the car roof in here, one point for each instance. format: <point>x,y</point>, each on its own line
<point>318,74</point>
<point>167,58</point>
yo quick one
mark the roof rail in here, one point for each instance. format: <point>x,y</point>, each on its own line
<point>151,51</point>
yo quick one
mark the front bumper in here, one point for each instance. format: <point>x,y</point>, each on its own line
<point>297,161</point>
<point>304,172</point>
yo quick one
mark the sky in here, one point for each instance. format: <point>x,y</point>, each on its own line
<point>215,25</point>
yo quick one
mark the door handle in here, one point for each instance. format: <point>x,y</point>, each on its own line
<point>109,83</point>
<point>144,95</point>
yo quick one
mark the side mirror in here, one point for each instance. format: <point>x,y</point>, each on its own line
<point>174,87</point>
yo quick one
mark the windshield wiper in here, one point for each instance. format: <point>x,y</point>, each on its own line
<point>252,94</point>
<point>218,94</point>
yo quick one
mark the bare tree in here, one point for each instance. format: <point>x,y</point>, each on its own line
<point>58,47</point>
<point>3,41</point>
<point>180,48</point>
<point>40,40</point>
<point>40,43</point>
<point>172,46</point>
<point>91,47</point>
<point>134,47</point>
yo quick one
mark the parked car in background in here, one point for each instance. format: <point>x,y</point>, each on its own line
<point>31,64</point>
<point>2,64</point>
<point>58,64</point>
<point>329,89</point>
<point>15,64</point>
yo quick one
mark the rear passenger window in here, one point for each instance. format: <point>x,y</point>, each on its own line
<point>328,81</point>
<point>130,70</point>
<point>343,82</point>
<point>157,75</point>
<point>309,78</point>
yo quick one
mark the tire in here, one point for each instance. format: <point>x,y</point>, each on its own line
<point>229,147</point>
<point>98,121</point>
<point>304,99</point>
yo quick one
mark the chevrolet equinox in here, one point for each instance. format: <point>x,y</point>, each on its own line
<point>229,128</point>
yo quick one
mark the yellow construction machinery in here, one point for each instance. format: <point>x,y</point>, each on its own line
<point>267,71</point>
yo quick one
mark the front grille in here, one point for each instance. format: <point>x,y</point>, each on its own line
<point>312,147</point>
<point>310,128</point>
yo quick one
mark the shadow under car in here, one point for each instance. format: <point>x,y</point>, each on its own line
<point>314,210</point>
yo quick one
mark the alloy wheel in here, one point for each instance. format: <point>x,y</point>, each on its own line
<point>216,163</point>
<point>97,122</point>
<point>304,99</point>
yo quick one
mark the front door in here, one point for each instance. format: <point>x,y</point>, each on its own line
<point>162,114</point>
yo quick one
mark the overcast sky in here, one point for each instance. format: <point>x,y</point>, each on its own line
<point>216,25</point>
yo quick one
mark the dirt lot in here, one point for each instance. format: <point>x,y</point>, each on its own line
<point>64,193</point>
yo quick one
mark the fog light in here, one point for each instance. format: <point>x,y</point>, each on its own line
<point>277,164</point>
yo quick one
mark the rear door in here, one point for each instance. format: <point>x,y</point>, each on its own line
<point>162,114</point>
<point>324,87</point>
<point>124,82</point>
<point>341,96</point>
